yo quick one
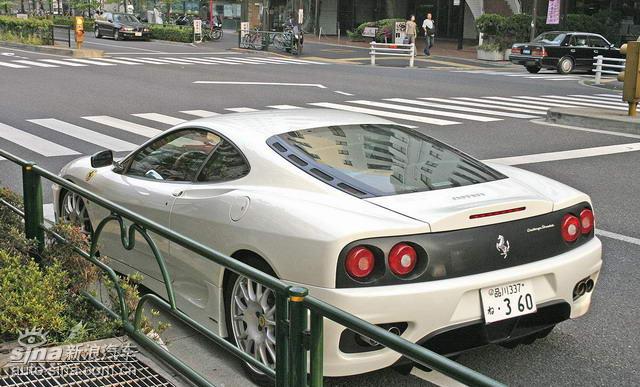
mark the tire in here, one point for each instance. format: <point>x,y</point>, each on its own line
<point>264,320</point>
<point>73,210</point>
<point>565,65</point>
<point>216,35</point>
<point>527,340</point>
<point>116,35</point>
<point>278,41</point>
<point>97,33</point>
<point>533,69</point>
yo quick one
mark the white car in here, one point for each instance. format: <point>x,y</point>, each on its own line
<point>386,223</point>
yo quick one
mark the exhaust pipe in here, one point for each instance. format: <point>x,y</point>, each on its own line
<point>589,285</point>
<point>579,290</point>
<point>393,329</point>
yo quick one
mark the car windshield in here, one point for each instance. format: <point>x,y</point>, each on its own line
<point>380,160</point>
<point>125,19</point>
<point>550,38</point>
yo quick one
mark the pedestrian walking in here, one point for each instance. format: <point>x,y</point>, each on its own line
<point>411,31</point>
<point>429,32</point>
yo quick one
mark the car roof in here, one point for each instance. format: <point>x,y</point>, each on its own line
<point>264,124</point>
<point>572,33</point>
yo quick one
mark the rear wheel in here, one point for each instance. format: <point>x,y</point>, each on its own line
<point>216,35</point>
<point>251,319</point>
<point>116,35</point>
<point>533,69</point>
<point>97,33</point>
<point>565,65</point>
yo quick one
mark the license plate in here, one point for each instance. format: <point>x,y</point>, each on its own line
<point>507,301</point>
<point>138,33</point>
<point>526,51</point>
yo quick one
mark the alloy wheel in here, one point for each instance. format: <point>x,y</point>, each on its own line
<point>74,211</point>
<point>253,320</point>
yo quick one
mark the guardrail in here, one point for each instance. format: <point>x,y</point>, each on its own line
<point>600,67</point>
<point>262,40</point>
<point>293,304</point>
<point>65,35</point>
<point>391,49</point>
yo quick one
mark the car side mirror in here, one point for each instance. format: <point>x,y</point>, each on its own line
<point>102,159</point>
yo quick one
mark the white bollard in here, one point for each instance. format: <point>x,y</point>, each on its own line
<point>413,54</point>
<point>598,69</point>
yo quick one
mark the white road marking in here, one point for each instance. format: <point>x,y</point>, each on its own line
<point>597,98</point>
<point>262,84</point>
<point>34,63</point>
<point>200,113</point>
<point>559,97</point>
<point>146,51</point>
<point>513,109</point>
<point>459,108</point>
<point>619,237</point>
<point>128,126</point>
<point>225,60</point>
<point>425,111</point>
<point>92,62</point>
<point>34,143</point>
<point>528,102</point>
<point>241,110</point>
<point>284,107</point>
<point>160,118</point>
<point>382,113</point>
<point>85,134</point>
<point>611,95</point>
<point>118,61</point>
<point>63,62</point>
<point>565,102</point>
<point>196,61</point>
<point>568,155</point>
<point>608,132</point>
<point>150,61</point>
<point>253,60</point>
<point>13,65</point>
<point>501,103</point>
<point>343,93</point>
<point>169,61</point>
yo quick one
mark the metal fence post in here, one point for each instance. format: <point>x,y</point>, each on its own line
<point>33,217</point>
<point>413,54</point>
<point>598,69</point>
<point>297,328</point>
<point>317,349</point>
<point>282,340</point>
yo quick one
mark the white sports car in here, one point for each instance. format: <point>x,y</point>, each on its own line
<point>372,217</point>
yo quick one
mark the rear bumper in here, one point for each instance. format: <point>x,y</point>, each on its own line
<point>540,61</point>
<point>436,312</point>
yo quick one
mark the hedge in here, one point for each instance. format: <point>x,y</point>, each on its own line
<point>171,32</point>
<point>386,29</point>
<point>31,31</point>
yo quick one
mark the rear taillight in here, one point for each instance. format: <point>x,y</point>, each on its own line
<point>402,259</point>
<point>360,262</point>
<point>570,228</point>
<point>515,50</point>
<point>586,221</point>
<point>539,52</point>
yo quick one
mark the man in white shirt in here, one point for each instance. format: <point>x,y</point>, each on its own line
<point>429,32</point>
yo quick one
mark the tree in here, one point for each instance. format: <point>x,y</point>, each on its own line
<point>6,5</point>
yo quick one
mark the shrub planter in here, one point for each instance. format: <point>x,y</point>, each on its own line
<point>490,55</point>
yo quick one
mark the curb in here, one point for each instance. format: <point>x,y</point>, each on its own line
<point>595,119</point>
<point>51,50</point>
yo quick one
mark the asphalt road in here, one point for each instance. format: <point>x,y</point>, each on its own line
<point>601,348</point>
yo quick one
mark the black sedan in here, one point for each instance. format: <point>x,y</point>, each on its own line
<point>562,51</point>
<point>120,26</point>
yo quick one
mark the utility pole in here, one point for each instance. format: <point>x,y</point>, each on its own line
<point>462,5</point>
<point>534,20</point>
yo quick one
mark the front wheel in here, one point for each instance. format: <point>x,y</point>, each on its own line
<point>533,69</point>
<point>565,65</point>
<point>251,320</point>
<point>97,33</point>
<point>73,210</point>
<point>116,35</point>
<point>216,35</point>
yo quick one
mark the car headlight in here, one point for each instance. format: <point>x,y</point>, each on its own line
<point>127,29</point>
<point>145,30</point>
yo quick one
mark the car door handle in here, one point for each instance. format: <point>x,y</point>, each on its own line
<point>573,50</point>
<point>595,51</point>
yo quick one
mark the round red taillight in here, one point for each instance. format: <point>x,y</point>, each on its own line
<point>402,259</point>
<point>586,220</point>
<point>570,228</point>
<point>360,262</point>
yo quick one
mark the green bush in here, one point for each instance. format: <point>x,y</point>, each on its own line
<point>386,29</point>
<point>26,30</point>
<point>171,33</point>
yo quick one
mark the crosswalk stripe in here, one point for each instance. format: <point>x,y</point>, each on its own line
<point>459,108</point>
<point>64,63</point>
<point>160,118</point>
<point>225,60</point>
<point>169,61</point>
<point>425,111</point>
<point>570,101</point>
<point>532,102</point>
<point>597,98</point>
<point>196,61</point>
<point>92,62</point>
<point>34,143</point>
<point>199,113</point>
<point>34,63</point>
<point>276,60</point>
<point>583,99</point>
<point>513,109</point>
<point>150,61</point>
<point>610,95</point>
<point>501,103</point>
<point>85,134</point>
<point>118,61</point>
<point>241,110</point>
<point>131,127</point>
<point>558,79</point>
<point>217,60</point>
<point>303,61</point>
<point>284,107</point>
<point>13,65</point>
<point>249,60</point>
<point>381,113</point>
<point>568,155</point>
<point>210,61</point>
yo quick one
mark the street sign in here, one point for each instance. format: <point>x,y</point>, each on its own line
<point>197,26</point>
<point>370,32</point>
<point>244,29</point>
<point>401,32</point>
<point>456,2</point>
<point>22,16</point>
<point>300,16</point>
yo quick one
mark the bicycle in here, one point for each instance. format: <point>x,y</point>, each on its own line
<point>252,40</point>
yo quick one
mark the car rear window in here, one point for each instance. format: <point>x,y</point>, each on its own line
<point>379,160</point>
<point>550,37</point>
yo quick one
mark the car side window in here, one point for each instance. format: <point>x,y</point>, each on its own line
<point>226,163</point>
<point>597,41</point>
<point>178,156</point>
<point>580,41</point>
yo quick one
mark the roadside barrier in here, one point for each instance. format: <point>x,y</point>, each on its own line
<point>600,67</point>
<point>262,40</point>
<point>293,304</point>
<point>390,49</point>
<point>61,33</point>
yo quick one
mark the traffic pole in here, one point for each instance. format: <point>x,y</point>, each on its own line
<point>461,22</point>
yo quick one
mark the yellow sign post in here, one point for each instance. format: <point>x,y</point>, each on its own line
<point>79,29</point>
<point>631,76</point>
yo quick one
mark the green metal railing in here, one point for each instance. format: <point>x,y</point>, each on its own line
<point>295,334</point>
